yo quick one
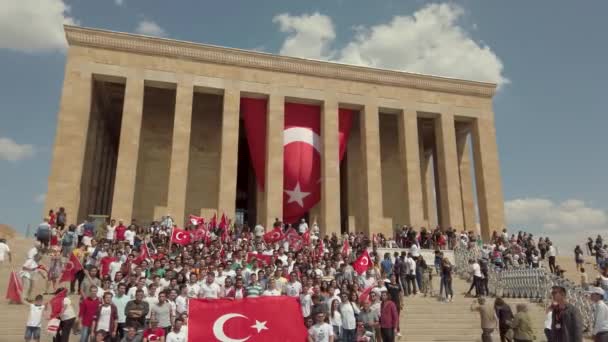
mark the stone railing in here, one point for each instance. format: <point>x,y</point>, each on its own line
<point>523,282</point>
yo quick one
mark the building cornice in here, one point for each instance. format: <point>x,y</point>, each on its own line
<point>138,44</point>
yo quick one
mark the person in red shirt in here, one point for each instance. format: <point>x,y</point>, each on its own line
<point>120,231</point>
<point>88,313</point>
<point>154,333</point>
<point>389,318</point>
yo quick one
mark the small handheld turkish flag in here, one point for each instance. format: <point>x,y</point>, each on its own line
<point>56,303</point>
<point>14,288</point>
<point>250,319</point>
<point>197,220</point>
<point>70,269</point>
<point>180,236</point>
<point>345,248</point>
<point>362,263</point>
<point>274,235</point>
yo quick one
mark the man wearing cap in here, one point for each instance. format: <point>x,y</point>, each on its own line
<point>600,315</point>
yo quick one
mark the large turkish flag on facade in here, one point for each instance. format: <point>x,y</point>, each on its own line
<point>249,319</point>
<point>302,151</point>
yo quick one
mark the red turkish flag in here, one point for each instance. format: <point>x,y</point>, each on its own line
<point>262,259</point>
<point>180,236</point>
<point>197,220</point>
<point>301,154</point>
<point>364,296</point>
<point>345,248</point>
<point>70,269</point>
<point>56,303</point>
<point>248,319</point>
<point>14,289</point>
<point>274,235</point>
<point>362,263</point>
<point>213,222</point>
<point>143,254</point>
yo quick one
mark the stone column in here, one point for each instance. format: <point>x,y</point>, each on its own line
<point>330,168</point>
<point>70,142</point>
<point>373,218</point>
<point>229,152</point>
<point>410,166</point>
<point>128,149</point>
<point>447,167</point>
<point>487,176</point>
<point>180,150</point>
<point>466,180</point>
<point>273,194</point>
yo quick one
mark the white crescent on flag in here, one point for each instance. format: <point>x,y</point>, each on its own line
<point>180,236</point>
<point>365,261</point>
<point>218,328</point>
<point>68,266</point>
<point>302,134</point>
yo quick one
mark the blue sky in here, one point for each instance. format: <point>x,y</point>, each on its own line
<point>549,56</point>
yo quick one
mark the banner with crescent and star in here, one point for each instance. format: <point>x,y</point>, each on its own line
<point>302,151</point>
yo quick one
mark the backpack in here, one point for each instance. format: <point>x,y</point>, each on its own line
<point>67,239</point>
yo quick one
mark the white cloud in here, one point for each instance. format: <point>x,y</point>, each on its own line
<point>430,41</point>
<point>33,25</point>
<point>119,2</point>
<point>150,28</point>
<point>40,198</point>
<point>308,36</point>
<point>12,151</point>
<point>568,223</point>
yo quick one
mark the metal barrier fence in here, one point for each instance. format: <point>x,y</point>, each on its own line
<point>519,281</point>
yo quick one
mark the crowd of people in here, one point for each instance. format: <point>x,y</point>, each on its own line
<point>135,284</point>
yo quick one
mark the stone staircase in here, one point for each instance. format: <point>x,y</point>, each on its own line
<point>427,319</point>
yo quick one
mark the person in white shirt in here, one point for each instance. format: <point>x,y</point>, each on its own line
<point>181,302</point>
<point>34,320</point>
<point>141,285</point>
<point>120,301</point>
<point>176,334</point>
<point>130,236</point>
<point>272,289</point>
<point>193,287</point>
<point>293,288</point>
<point>302,227</point>
<point>104,319</point>
<point>475,271</point>
<point>321,331</point>
<point>306,302</point>
<point>4,251</point>
<point>29,268</point>
<point>600,314</point>
<point>348,310</point>
<point>551,254</point>
<point>110,230</point>
<point>209,289</point>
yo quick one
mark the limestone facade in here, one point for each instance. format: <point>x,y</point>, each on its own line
<point>149,126</point>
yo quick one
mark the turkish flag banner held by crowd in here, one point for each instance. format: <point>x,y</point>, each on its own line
<point>362,263</point>
<point>274,235</point>
<point>302,151</point>
<point>70,269</point>
<point>249,319</point>
<point>180,236</point>
<point>263,259</point>
<point>14,289</point>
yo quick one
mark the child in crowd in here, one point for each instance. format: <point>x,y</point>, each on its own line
<point>427,283</point>
<point>34,320</point>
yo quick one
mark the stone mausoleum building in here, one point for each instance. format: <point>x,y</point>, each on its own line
<point>150,126</point>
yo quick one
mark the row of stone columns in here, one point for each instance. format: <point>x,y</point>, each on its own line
<point>452,160</point>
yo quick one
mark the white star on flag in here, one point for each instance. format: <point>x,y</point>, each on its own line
<point>297,195</point>
<point>259,326</point>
